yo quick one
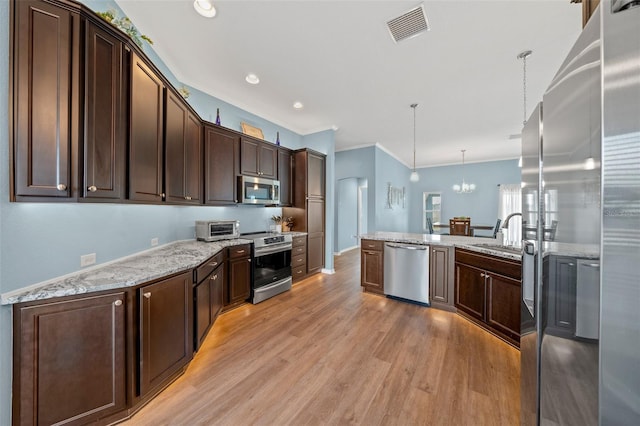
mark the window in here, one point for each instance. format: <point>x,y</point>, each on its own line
<point>431,203</point>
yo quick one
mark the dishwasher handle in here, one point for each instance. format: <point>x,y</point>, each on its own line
<point>398,246</point>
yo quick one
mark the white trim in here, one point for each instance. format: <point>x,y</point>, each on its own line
<point>382,148</point>
<point>351,148</point>
<point>328,271</point>
<point>458,163</point>
<point>379,146</point>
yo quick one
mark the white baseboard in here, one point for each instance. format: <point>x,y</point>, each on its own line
<point>341,252</point>
<point>328,271</point>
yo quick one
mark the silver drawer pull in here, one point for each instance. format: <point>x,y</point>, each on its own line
<point>188,198</point>
<point>592,265</point>
<point>215,277</point>
<point>214,264</point>
<point>147,295</point>
<point>482,274</point>
<point>93,188</point>
<point>61,187</point>
<point>239,251</point>
<point>118,302</point>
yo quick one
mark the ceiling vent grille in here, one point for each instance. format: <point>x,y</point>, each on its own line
<point>409,25</point>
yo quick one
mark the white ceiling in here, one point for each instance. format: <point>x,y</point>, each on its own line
<point>338,58</point>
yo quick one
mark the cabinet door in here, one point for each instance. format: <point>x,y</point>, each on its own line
<point>268,161</point>
<point>371,270</point>
<point>70,360</point>
<point>45,98</point>
<point>503,304</point>
<point>565,294</point>
<point>284,176</point>
<point>239,280</point>
<point>166,329</point>
<point>249,157</point>
<point>470,290</point>
<point>104,142</point>
<point>222,154</point>
<point>315,176</point>
<point>146,141</point>
<point>217,283</point>
<point>315,253</point>
<point>183,152</point>
<point>202,307</point>
<point>439,275</point>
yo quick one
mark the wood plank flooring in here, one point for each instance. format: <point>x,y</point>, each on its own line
<point>326,353</point>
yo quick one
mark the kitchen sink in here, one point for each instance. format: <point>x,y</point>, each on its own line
<point>504,249</point>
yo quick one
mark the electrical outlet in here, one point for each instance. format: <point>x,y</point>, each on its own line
<point>87,259</point>
<point>154,242</point>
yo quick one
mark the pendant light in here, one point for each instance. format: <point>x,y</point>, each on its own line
<point>524,55</point>
<point>464,188</point>
<point>414,175</point>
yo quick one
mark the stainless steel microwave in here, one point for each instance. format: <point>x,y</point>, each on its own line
<point>214,230</point>
<point>253,190</point>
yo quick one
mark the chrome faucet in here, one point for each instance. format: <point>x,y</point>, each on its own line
<point>505,225</point>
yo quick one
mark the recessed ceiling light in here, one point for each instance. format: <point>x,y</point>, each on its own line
<point>204,8</point>
<point>298,105</point>
<point>252,79</point>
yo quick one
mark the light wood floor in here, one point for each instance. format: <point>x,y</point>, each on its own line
<point>327,353</point>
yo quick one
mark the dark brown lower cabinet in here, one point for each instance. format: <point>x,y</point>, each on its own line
<point>208,304</point>
<point>239,279</point>
<point>69,360</point>
<point>372,266</point>
<point>487,291</point>
<point>441,271</point>
<point>165,329</point>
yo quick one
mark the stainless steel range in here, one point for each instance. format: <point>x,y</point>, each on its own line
<point>271,265</point>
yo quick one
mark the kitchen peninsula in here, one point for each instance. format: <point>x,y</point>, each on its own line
<point>477,277</point>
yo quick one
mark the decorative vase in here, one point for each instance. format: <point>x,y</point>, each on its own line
<point>278,138</point>
<point>218,116</point>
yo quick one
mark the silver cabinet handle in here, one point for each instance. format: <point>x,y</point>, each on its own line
<point>147,295</point>
<point>249,260</point>
<point>214,264</point>
<point>482,274</point>
<point>188,198</point>
<point>118,302</point>
<point>592,265</point>
<point>239,251</point>
<point>572,264</point>
<point>61,187</point>
<point>215,277</point>
<point>93,188</point>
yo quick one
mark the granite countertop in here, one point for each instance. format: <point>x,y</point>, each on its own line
<point>585,251</point>
<point>129,271</point>
<point>295,233</point>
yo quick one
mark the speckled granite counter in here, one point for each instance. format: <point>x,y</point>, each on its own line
<point>126,272</point>
<point>586,251</point>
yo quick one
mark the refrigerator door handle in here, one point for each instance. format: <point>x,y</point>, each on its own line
<point>528,276</point>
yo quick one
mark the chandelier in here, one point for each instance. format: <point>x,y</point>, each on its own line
<point>464,188</point>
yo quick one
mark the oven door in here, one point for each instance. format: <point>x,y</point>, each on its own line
<point>271,266</point>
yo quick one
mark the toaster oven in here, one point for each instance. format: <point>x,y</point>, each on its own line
<point>214,230</point>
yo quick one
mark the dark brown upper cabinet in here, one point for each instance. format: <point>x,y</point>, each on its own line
<point>221,165</point>
<point>284,175</point>
<point>105,116</point>
<point>45,100</point>
<point>183,155</point>
<point>258,158</point>
<point>146,133</point>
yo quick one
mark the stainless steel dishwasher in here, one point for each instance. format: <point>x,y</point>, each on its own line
<point>406,272</point>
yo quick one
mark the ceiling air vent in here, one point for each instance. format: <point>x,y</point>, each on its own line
<point>408,25</point>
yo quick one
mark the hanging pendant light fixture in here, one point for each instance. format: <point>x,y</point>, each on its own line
<point>464,188</point>
<point>524,55</point>
<point>414,175</point>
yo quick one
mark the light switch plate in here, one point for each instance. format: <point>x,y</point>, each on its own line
<point>154,242</point>
<point>87,260</point>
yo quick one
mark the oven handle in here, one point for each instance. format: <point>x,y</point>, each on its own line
<point>272,285</point>
<point>273,249</point>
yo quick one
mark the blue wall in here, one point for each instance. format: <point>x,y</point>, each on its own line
<point>481,205</point>
<point>360,163</point>
<point>347,213</point>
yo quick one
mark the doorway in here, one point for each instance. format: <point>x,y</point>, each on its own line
<point>351,213</point>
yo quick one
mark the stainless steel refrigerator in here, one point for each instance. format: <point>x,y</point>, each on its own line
<point>580,323</point>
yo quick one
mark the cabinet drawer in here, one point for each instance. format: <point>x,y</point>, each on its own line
<point>299,241</point>
<point>207,267</point>
<point>297,261</point>
<point>372,245</point>
<point>300,250</point>
<point>298,272</point>
<point>243,250</point>
<point>506,267</point>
